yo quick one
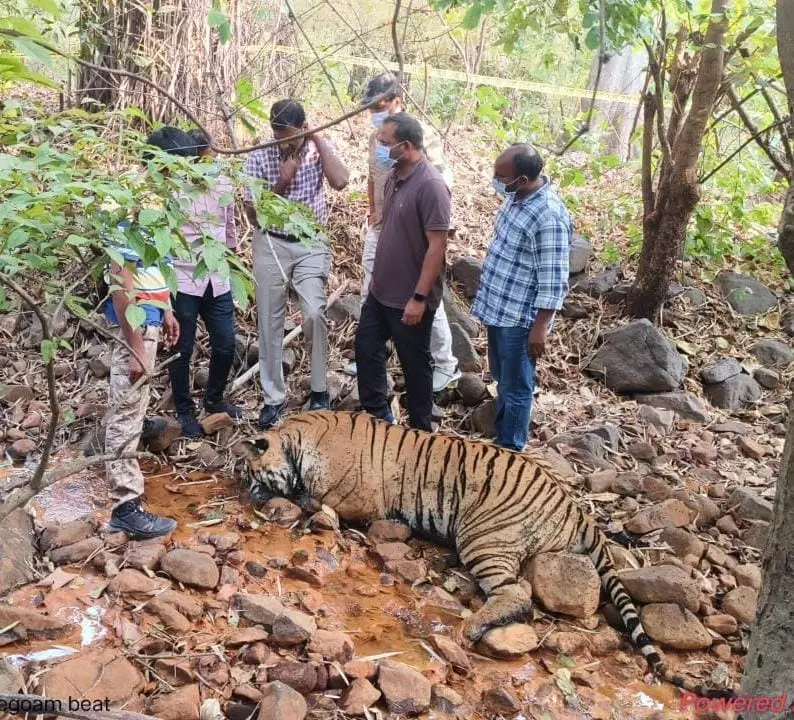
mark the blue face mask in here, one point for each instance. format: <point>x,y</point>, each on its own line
<point>378,117</point>
<point>501,188</point>
<point>383,156</point>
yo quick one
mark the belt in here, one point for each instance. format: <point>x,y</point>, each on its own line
<point>284,236</point>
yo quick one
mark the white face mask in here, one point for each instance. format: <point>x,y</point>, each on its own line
<point>377,118</point>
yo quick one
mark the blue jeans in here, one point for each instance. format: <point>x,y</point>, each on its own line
<point>514,371</point>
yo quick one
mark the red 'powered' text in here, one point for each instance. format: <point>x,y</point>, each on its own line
<point>742,703</point>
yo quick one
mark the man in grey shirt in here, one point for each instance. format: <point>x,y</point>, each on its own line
<point>406,285</point>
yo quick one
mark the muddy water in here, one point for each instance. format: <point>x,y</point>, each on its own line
<point>381,618</point>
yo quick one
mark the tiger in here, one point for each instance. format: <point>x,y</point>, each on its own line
<point>496,507</point>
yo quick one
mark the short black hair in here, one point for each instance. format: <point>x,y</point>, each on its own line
<point>526,161</point>
<point>171,140</point>
<point>407,129</point>
<point>200,141</point>
<point>380,84</point>
<point>287,114</point>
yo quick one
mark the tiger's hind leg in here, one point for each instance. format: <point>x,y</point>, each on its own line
<point>506,600</point>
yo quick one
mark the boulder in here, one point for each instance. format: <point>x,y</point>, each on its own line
<point>292,628</point>
<point>741,603</point>
<point>565,583</point>
<point>445,700</point>
<point>16,394</point>
<point>59,535</point>
<point>405,690</point>
<point>34,622</point>
<point>662,584</point>
<point>720,370</point>
<point>472,389</point>
<point>76,553</point>
<point>673,626</point>
<point>281,702</point>
<point>599,284</point>
<point>346,309</point>
<point>358,697</point>
<point>766,378</point>
<point>734,392</point>
<point>683,543</point>
<point>746,295</point>
<point>191,568</point>
<point>17,551</point>
<point>300,676</point>
<point>773,353</point>
<point>662,420</point>
<point>750,506</point>
<point>683,404</point>
<point>467,272</point>
<point>501,702</point>
<point>670,513</point>
<point>133,582</point>
<point>453,653</point>
<point>483,419</point>
<point>457,314</point>
<point>332,645</point>
<point>722,624</point>
<point>382,531</point>
<point>510,641</point>
<point>144,556</point>
<point>748,575</point>
<point>182,704</point>
<point>638,358</point>
<point>463,349</point>
<point>11,680</point>
<point>580,253</point>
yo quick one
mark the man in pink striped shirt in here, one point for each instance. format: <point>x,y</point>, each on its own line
<point>209,296</point>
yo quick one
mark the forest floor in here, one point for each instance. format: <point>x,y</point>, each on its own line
<point>690,483</point>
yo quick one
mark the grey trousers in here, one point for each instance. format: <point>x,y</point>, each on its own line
<point>306,268</point>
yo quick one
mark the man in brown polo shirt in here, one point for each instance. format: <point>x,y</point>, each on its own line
<point>406,284</point>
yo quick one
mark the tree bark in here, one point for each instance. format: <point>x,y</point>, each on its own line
<point>678,192</point>
<point>785,232</point>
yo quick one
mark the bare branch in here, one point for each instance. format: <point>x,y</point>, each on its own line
<point>661,130</point>
<point>398,51</point>
<point>648,198</point>
<point>55,410</point>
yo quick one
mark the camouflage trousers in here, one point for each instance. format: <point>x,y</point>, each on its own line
<point>125,422</point>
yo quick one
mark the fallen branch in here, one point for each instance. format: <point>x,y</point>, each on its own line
<point>20,497</point>
<point>33,704</point>
<point>333,298</point>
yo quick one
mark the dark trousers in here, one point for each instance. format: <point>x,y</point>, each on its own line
<point>378,325</point>
<point>218,315</point>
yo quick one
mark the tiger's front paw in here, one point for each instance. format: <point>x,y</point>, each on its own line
<point>506,605</point>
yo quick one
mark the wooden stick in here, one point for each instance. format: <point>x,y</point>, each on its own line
<point>14,704</point>
<point>333,298</point>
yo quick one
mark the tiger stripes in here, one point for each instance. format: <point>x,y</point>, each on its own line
<point>496,507</point>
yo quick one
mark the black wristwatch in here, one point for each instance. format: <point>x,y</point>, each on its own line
<point>419,297</point>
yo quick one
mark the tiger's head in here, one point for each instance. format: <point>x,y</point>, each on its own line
<point>267,470</point>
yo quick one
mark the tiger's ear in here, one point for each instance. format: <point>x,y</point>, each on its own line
<point>256,447</point>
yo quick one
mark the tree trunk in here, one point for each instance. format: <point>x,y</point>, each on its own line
<point>666,212</point>
<point>785,233</point>
<point>769,667</point>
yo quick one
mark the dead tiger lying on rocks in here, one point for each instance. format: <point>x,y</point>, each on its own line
<point>496,507</point>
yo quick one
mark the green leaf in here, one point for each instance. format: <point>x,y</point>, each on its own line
<point>217,19</point>
<point>213,253</point>
<point>47,6</point>
<point>48,349</point>
<point>592,40</point>
<point>242,289</point>
<point>149,216</point>
<point>162,241</point>
<point>33,50</point>
<point>135,315</point>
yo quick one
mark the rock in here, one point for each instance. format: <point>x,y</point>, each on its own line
<point>472,389</point>
<point>332,645</point>
<point>405,690</point>
<point>16,394</point>
<point>685,405</point>
<point>638,358</point>
<point>440,598</point>
<point>457,314</point>
<point>169,615</point>
<point>100,366</point>
<point>255,569</point>
<point>246,636</point>
<point>605,642</point>
<point>174,671</point>
<point>696,297</point>
<point>673,626</point>
<point>720,370</point>
<point>662,584</point>
<point>573,310</point>
<point>483,419</point>
<point>741,603</point>
<point>76,553</point>
<point>565,583</point>
<point>391,551</point>
<point>11,680</point>
<point>704,454</point>
<point>670,513</point>
<point>567,643</point>
<point>704,510</point>
<point>191,568</point>
<point>734,392</point>
<point>299,676</point>
<point>750,506</point>
<point>188,605</point>
<point>501,701</point>
<point>773,353</point>
<point>281,702</point>
<point>345,309</point>
<point>655,488</point>
<point>642,451</point>
<point>452,652</point>
<point>727,525</point>
<point>33,622</point>
<point>162,441</point>
<point>748,576</point>
<point>208,457</point>
<point>99,675</point>
<point>463,349</point>
<point>766,378</point>
<point>182,704</point>
<point>663,420</point>
<point>358,697</point>
<point>383,531</point>
<point>755,536</point>
<point>445,700</point>
<point>750,448</point>
<point>211,424</point>
<point>283,512</point>
<point>581,250</point>
<point>17,551</point>
<point>467,272</point>
<point>510,641</point>
<point>132,582</point>
<point>601,481</point>
<point>411,571</point>
<point>746,295</point>
<point>722,624</point>
<point>258,609</point>
<point>599,284</point>
<point>716,555</point>
<point>144,555</point>
<point>682,542</point>
<point>21,449</point>
<point>292,627</point>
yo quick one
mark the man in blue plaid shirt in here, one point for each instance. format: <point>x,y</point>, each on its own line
<point>524,282</point>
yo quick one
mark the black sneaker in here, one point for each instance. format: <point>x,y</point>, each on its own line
<point>223,407</point>
<point>269,415</point>
<point>191,428</point>
<point>131,519</point>
<point>320,401</point>
<point>153,428</point>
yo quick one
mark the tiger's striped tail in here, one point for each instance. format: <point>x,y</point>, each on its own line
<point>594,543</point>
